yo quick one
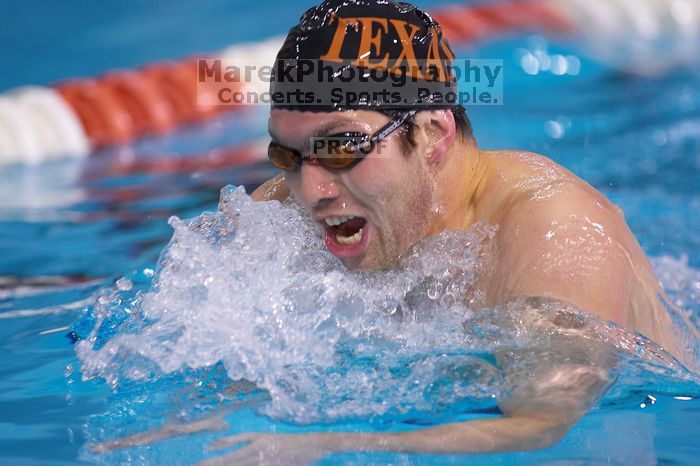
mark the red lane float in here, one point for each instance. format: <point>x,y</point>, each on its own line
<point>151,113</point>
<point>104,118</point>
<point>175,82</point>
<point>120,106</point>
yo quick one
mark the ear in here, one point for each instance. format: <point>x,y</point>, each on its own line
<point>438,131</point>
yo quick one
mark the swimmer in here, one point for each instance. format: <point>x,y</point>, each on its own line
<point>557,237</point>
<point>412,169</point>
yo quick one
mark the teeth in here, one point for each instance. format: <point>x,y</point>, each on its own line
<point>348,240</point>
<point>335,221</point>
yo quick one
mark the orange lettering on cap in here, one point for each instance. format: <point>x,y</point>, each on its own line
<point>367,40</point>
<point>407,51</point>
<point>434,60</point>
<point>333,53</point>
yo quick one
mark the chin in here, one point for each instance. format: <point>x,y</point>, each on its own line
<point>368,264</point>
<point>357,266</point>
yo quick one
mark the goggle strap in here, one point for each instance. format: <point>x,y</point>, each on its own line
<point>387,129</point>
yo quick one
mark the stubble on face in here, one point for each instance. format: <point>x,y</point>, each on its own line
<point>407,214</point>
<point>399,208</point>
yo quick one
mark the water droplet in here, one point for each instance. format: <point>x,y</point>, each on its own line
<point>554,129</point>
<point>124,284</point>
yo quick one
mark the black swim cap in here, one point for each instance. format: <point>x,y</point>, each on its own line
<point>364,54</point>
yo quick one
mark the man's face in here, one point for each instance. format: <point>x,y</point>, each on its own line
<point>389,193</point>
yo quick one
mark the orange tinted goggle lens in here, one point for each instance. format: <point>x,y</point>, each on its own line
<point>343,158</point>
<point>283,157</point>
<point>289,159</point>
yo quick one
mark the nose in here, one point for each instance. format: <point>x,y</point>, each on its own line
<point>316,185</point>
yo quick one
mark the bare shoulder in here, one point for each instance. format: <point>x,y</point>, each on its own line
<point>532,186</point>
<point>274,189</point>
<point>560,237</point>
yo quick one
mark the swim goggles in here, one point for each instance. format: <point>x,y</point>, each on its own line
<point>342,150</point>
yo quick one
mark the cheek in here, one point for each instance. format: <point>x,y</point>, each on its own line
<point>369,187</point>
<point>418,194</point>
<point>383,180</point>
<point>292,182</point>
<point>402,199</point>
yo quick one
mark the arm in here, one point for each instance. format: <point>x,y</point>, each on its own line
<point>538,413</point>
<point>518,430</point>
<point>481,436</point>
<point>211,423</point>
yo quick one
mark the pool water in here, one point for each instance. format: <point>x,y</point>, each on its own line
<point>71,229</point>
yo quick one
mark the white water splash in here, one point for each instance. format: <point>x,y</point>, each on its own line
<point>253,287</point>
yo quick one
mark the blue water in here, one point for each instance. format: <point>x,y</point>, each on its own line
<point>70,228</point>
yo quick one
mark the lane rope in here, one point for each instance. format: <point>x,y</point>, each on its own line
<point>75,117</point>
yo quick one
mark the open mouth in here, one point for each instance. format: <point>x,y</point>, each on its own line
<point>346,230</point>
<point>346,236</point>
